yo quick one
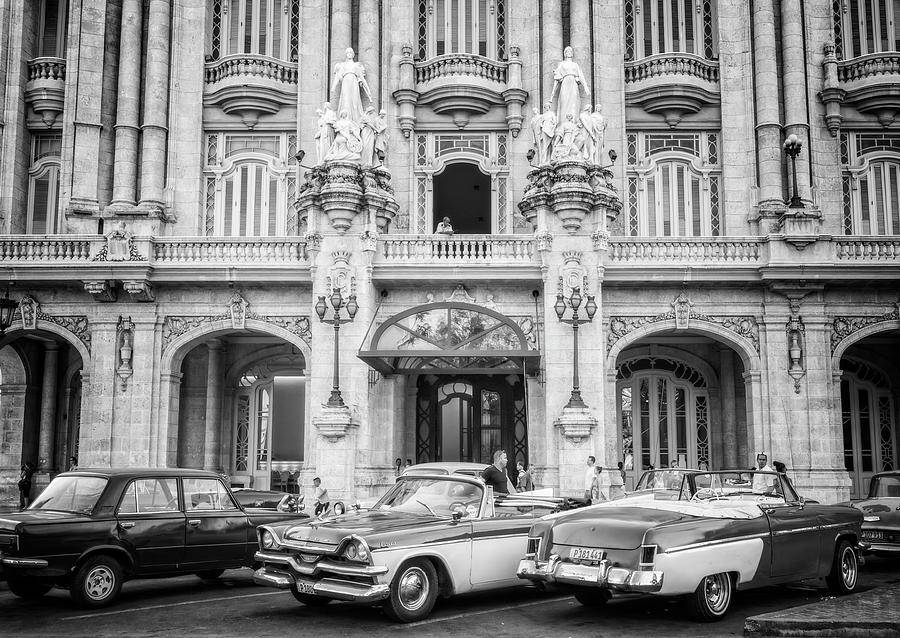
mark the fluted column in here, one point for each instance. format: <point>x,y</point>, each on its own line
<point>128,106</point>
<point>368,47</point>
<point>48,406</point>
<point>580,30</point>
<point>340,31</point>
<point>768,92</point>
<point>793,80</point>
<point>729,429</point>
<point>213,441</point>
<point>156,106</point>
<point>552,49</point>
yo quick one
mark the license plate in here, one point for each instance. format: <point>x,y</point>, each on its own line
<point>586,553</point>
<point>305,588</point>
<point>874,535</point>
<point>584,573</point>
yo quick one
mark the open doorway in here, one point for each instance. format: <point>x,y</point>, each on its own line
<point>463,193</point>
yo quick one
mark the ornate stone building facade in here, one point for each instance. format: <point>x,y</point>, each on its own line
<point>183,216</point>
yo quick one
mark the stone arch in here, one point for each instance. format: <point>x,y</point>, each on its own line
<point>12,368</point>
<point>46,326</point>
<point>844,344</point>
<point>698,363</point>
<point>239,365</point>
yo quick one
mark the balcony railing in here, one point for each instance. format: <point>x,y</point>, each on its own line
<point>251,66</point>
<point>869,66</point>
<point>47,68</point>
<point>461,64</point>
<point>687,250</point>
<point>215,250</point>
<point>48,248</point>
<point>458,249</point>
<point>867,249</point>
<point>672,64</point>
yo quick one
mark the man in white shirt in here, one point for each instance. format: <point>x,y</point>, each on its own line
<point>589,476</point>
<point>763,483</point>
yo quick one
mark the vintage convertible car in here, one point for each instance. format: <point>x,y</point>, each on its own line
<point>705,537</point>
<point>429,535</point>
<point>90,530</point>
<point>881,515</point>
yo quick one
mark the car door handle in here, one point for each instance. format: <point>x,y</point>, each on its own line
<point>126,524</point>
<point>194,522</point>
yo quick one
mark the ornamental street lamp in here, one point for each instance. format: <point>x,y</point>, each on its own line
<point>337,302</point>
<point>7,308</point>
<point>792,146</point>
<point>574,302</point>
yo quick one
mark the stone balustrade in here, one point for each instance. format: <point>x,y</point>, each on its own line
<point>867,249</point>
<point>868,66</point>
<point>251,66</point>
<point>672,64</point>
<point>687,250</point>
<point>457,249</point>
<point>48,248</point>
<point>47,68</point>
<point>217,250</point>
<point>461,64</point>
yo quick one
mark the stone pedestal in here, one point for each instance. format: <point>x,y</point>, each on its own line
<point>575,426</point>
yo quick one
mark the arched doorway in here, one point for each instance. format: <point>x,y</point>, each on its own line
<point>463,193</point>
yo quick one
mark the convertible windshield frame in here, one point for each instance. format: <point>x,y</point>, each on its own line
<point>879,481</point>
<point>740,482</point>
<point>63,491</point>
<point>413,488</point>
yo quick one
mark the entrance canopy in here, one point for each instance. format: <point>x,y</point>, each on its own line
<point>450,337</point>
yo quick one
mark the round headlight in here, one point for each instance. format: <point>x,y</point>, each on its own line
<point>267,540</point>
<point>351,551</point>
<point>362,553</point>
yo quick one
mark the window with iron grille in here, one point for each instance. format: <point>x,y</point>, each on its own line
<point>871,184</point>
<point>255,27</point>
<point>862,27</point>
<point>461,26</point>
<point>668,26</point>
<point>43,184</point>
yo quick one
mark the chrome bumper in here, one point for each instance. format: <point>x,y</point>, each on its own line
<point>603,575</point>
<point>321,578</point>
<point>24,563</point>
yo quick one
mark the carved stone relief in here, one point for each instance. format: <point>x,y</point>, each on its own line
<point>844,326</point>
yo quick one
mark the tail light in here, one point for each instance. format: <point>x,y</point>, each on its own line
<point>648,556</point>
<point>533,549</point>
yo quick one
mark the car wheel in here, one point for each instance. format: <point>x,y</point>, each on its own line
<point>592,596</point>
<point>210,574</point>
<point>97,582</point>
<point>844,572</point>
<point>414,591</point>
<point>309,599</point>
<point>712,598</point>
<point>27,588</point>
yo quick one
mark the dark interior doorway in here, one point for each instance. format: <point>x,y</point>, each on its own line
<point>463,193</point>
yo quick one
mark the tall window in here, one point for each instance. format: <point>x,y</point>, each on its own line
<point>866,26</point>
<point>871,184</point>
<point>250,180</point>
<point>673,185</point>
<point>462,26</point>
<point>259,27</point>
<point>53,21</point>
<point>43,184</point>
<point>668,26</point>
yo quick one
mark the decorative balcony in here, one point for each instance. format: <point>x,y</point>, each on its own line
<point>672,84</point>
<point>685,250</point>
<point>869,83</point>
<point>461,85</point>
<point>46,87</point>
<point>867,249</point>
<point>250,85</point>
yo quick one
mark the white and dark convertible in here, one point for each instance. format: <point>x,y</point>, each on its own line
<point>428,536</point>
<point>697,534</point>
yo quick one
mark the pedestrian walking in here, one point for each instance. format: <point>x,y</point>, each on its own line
<point>321,495</point>
<point>589,477</point>
<point>524,482</point>
<point>599,486</point>
<point>25,480</point>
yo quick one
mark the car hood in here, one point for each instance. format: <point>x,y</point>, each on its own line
<point>887,509</point>
<point>611,527</point>
<point>333,530</point>
<point>11,520</point>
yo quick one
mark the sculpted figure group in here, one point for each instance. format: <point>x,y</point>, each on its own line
<point>571,132</point>
<point>351,133</point>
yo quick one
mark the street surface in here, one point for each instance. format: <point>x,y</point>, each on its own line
<point>234,606</point>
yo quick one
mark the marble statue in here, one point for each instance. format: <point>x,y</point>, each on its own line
<point>325,132</point>
<point>599,133</point>
<point>543,128</point>
<point>367,135</point>
<point>568,83</point>
<point>379,124</point>
<point>565,144</point>
<point>587,136</point>
<point>349,83</point>
<point>347,143</point>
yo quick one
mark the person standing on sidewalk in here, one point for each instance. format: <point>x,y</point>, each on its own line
<point>25,481</point>
<point>589,477</point>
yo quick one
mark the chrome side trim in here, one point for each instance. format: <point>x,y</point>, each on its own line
<point>799,530</point>
<point>394,548</point>
<point>723,541</point>
<point>31,563</point>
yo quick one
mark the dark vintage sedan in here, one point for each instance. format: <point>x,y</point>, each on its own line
<point>881,515</point>
<point>90,530</point>
<point>702,537</point>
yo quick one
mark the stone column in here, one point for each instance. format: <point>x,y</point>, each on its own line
<point>729,432</point>
<point>580,30</point>
<point>212,448</point>
<point>768,90</point>
<point>128,105</point>
<point>552,50</point>
<point>340,31</point>
<point>156,107</point>
<point>793,79</point>
<point>369,43</point>
<point>48,406</point>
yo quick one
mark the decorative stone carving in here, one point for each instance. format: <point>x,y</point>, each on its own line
<point>139,289</point>
<point>334,423</point>
<point>571,190</point>
<point>576,423</point>
<point>800,226</point>
<point>77,325</point>
<point>101,289</point>
<point>568,85</point>
<point>682,307</point>
<point>174,325</point>
<point>29,309</point>
<point>744,326</point>
<point>543,130</point>
<point>324,132</point>
<point>313,242</point>
<point>600,239</point>
<point>460,294</point>
<point>348,83</point>
<point>844,326</point>
<point>119,246</point>
<point>796,335</point>
<point>125,341</point>
<point>572,274</point>
<point>237,310</point>
<point>489,302</point>
<point>341,274</point>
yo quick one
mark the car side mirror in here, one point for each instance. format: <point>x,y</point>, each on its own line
<point>802,502</point>
<point>457,516</point>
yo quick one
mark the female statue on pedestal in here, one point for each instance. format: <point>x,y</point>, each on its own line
<point>569,81</point>
<point>347,141</point>
<point>350,78</point>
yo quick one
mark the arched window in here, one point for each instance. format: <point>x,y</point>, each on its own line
<point>53,21</point>
<point>462,26</point>
<point>673,185</point>
<point>255,27</point>
<point>867,26</point>
<point>669,26</point>
<point>871,185</point>
<point>43,185</point>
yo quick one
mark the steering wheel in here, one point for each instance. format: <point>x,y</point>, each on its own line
<point>457,506</point>
<point>705,493</point>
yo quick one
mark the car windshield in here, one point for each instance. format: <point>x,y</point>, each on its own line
<point>885,486</point>
<point>77,494</point>
<point>436,496</point>
<point>752,486</point>
<point>666,484</point>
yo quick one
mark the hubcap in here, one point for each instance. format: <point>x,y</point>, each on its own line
<point>413,588</point>
<point>717,592</point>
<point>99,583</point>
<point>848,568</point>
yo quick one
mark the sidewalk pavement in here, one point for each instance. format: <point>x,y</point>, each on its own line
<point>871,614</point>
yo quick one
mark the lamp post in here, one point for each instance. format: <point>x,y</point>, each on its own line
<point>792,146</point>
<point>590,308</point>
<point>7,308</point>
<point>337,302</point>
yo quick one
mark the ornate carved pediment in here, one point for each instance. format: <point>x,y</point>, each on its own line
<point>844,326</point>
